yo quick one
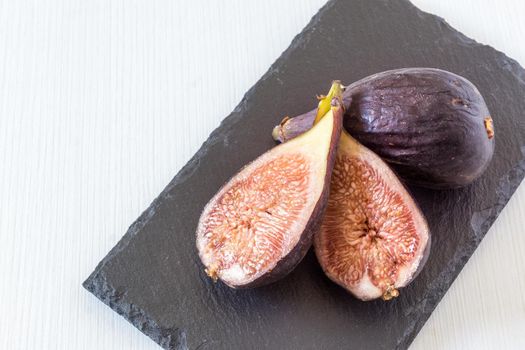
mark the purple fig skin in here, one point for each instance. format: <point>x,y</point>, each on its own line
<point>432,126</point>
<point>424,259</point>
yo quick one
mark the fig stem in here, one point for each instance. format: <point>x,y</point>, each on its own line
<point>325,102</point>
<point>489,126</point>
<point>276,132</point>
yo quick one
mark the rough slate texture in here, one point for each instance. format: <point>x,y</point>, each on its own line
<point>153,277</point>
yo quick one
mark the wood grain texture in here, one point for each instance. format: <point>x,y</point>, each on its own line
<point>102,102</point>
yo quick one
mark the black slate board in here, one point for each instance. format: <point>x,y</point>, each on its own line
<point>153,277</point>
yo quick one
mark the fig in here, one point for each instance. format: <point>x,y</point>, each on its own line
<point>260,224</point>
<point>432,126</point>
<point>373,239</point>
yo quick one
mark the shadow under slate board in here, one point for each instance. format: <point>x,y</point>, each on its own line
<point>154,278</point>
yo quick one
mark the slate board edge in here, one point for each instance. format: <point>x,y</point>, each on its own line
<point>175,338</point>
<point>515,175</point>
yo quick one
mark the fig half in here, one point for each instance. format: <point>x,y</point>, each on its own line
<point>373,239</point>
<point>260,225</point>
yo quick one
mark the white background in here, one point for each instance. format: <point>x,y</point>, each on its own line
<point>102,102</point>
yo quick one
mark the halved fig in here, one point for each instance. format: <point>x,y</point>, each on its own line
<point>373,239</point>
<point>260,225</point>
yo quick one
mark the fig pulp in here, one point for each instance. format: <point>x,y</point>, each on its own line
<point>432,126</point>
<point>259,226</point>
<point>373,239</point>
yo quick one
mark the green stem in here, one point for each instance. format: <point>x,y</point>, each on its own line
<point>325,102</point>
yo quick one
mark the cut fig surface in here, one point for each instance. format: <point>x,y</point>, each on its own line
<point>259,226</point>
<point>373,239</point>
<point>247,228</point>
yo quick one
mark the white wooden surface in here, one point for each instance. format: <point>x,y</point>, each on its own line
<point>99,109</point>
